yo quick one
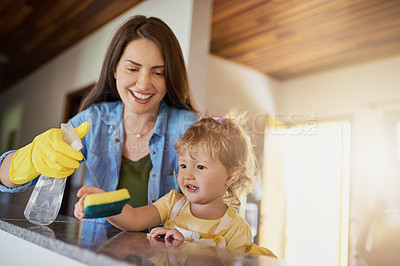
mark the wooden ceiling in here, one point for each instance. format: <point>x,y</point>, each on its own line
<point>291,38</point>
<point>34,31</point>
<point>281,38</point>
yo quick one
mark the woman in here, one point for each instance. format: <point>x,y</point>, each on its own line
<point>140,106</point>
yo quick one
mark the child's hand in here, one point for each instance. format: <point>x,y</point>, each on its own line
<point>81,194</point>
<point>168,235</point>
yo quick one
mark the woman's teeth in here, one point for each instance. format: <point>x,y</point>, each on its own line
<point>141,96</point>
<point>192,187</point>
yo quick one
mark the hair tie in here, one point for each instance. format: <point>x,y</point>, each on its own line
<point>219,119</point>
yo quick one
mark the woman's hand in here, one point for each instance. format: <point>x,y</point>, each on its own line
<point>48,154</point>
<point>169,234</point>
<point>81,194</point>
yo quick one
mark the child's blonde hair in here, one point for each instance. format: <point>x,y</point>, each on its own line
<point>224,139</point>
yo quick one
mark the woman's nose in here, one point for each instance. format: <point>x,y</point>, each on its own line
<point>143,82</point>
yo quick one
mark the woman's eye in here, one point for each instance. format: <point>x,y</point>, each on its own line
<point>201,167</point>
<point>183,166</point>
<point>159,74</point>
<point>133,69</point>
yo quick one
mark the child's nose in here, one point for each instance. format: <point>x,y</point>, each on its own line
<point>189,175</point>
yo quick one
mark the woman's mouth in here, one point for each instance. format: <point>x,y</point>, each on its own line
<point>141,97</point>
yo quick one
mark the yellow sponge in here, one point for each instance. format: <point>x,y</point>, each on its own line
<point>105,204</point>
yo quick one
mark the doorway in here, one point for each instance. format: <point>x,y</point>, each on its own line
<point>305,208</point>
<point>72,105</point>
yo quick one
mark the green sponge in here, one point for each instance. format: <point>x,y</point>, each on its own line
<point>105,204</point>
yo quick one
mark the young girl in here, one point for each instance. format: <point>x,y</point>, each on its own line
<point>216,166</point>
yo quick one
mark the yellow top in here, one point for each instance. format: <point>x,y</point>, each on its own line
<point>238,235</point>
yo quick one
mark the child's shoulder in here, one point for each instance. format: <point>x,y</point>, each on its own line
<point>175,195</point>
<point>237,219</point>
<point>170,198</point>
<point>233,213</point>
<point>238,235</point>
<point>165,204</point>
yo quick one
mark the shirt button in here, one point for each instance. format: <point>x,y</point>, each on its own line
<point>154,152</point>
<point>116,140</point>
<point>153,175</point>
<point>218,239</point>
<point>152,201</point>
<point>112,126</point>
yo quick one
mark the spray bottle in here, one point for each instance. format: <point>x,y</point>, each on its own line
<point>45,201</point>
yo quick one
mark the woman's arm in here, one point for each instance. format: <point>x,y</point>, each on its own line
<point>5,171</point>
<point>130,219</point>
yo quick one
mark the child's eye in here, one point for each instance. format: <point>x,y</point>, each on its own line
<point>182,165</point>
<point>201,167</point>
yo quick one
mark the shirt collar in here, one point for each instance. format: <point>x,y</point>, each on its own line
<point>162,119</point>
<point>115,116</point>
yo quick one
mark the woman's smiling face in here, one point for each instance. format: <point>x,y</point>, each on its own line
<point>140,77</point>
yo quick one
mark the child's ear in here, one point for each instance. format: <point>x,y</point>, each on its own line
<point>232,176</point>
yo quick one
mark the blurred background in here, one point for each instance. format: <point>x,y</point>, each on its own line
<point>319,80</point>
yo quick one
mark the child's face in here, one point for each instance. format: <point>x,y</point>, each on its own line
<point>202,179</point>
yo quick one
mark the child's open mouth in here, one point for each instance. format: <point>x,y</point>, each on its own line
<point>192,188</point>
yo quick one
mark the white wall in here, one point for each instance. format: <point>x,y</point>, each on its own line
<point>230,85</point>
<point>342,92</point>
<point>200,45</point>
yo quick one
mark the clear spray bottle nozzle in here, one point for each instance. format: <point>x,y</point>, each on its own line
<point>70,137</point>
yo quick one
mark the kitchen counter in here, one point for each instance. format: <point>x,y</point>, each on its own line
<point>99,244</point>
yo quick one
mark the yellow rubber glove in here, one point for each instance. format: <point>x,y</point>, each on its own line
<point>48,154</point>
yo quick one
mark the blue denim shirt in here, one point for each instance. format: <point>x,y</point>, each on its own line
<point>104,143</point>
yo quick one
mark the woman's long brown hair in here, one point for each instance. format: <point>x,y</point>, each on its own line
<point>176,78</point>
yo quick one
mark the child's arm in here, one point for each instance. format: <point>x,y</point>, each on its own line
<point>130,219</point>
<point>136,219</point>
